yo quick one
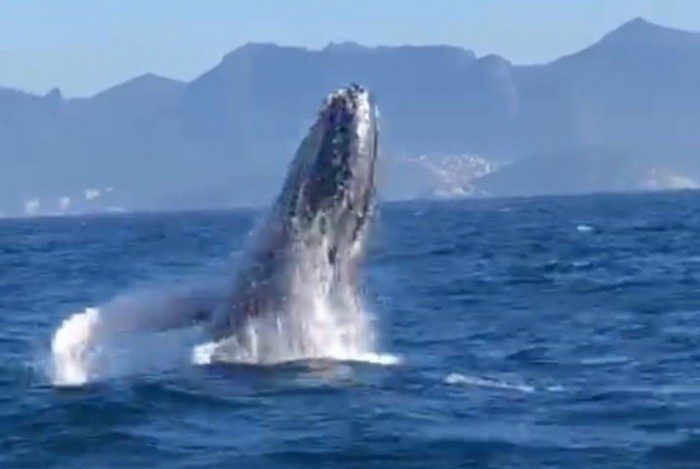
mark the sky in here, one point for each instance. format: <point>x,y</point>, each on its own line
<point>86,46</point>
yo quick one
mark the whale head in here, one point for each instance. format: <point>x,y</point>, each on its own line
<point>331,183</point>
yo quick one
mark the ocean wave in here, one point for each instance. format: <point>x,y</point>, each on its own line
<point>605,360</point>
<point>487,382</point>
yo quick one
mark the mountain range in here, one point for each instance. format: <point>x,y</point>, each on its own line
<point>618,115</point>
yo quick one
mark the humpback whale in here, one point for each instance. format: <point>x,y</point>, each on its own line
<point>299,281</point>
<point>295,295</point>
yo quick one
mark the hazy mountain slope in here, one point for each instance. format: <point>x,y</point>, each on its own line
<point>579,171</point>
<point>259,101</point>
<point>636,88</point>
<point>226,137</point>
<point>585,170</point>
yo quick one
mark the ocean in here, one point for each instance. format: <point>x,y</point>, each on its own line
<point>533,332</point>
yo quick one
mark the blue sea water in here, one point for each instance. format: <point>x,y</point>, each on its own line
<point>544,332</point>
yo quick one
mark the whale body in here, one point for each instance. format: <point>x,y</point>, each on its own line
<point>305,255</point>
<point>295,296</point>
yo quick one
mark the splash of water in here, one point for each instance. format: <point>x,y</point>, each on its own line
<point>321,317</point>
<point>134,333</point>
<point>158,330</point>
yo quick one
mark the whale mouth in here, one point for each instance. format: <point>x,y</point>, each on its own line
<point>296,295</point>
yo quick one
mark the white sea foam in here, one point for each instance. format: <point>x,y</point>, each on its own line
<point>482,382</point>
<point>584,228</point>
<point>511,384</point>
<point>555,388</point>
<point>605,360</point>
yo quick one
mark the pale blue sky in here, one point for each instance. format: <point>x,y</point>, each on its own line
<point>85,46</point>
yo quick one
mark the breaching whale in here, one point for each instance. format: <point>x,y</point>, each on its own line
<point>295,295</point>
<point>301,270</point>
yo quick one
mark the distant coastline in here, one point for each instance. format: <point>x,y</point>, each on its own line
<point>619,115</point>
